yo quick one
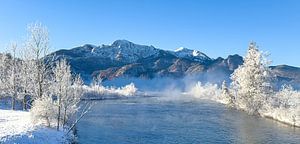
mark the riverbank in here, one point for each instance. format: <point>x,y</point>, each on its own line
<point>17,127</point>
<point>284,116</point>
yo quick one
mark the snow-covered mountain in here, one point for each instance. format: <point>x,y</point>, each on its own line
<point>128,52</point>
<point>123,50</point>
<point>123,58</point>
<point>191,54</point>
<point>120,50</point>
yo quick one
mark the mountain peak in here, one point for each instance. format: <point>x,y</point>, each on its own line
<point>122,43</point>
<point>192,54</point>
<point>181,49</point>
<point>89,46</point>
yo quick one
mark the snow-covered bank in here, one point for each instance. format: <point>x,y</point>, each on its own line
<point>30,127</point>
<point>17,127</point>
<point>286,116</point>
<point>283,107</point>
<point>100,91</point>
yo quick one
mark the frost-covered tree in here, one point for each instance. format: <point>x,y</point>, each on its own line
<point>251,81</point>
<point>61,87</point>
<point>13,82</point>
<point>226,96</point>
<point>38,46</point>
<point>27,77</point>
<point>70,102</point>
<point>44,83</point>
<point>67,90</point>
<point>13,73</point>
<point>97,80</point>
<point>64,97</point>
<point>4,65</point>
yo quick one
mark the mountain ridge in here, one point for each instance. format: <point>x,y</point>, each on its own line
<point>123,58</point>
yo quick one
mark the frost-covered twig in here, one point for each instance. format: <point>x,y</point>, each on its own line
<point>85,110</point>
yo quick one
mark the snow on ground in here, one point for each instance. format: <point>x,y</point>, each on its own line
<point>14,123</point>
<point>17,127</point>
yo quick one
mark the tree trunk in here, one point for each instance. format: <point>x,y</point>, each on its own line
<point>59,107</point>
<point>65,117</point>
<point>24,103</point>
<point>13,103</point>
<point>40,90</point>
<point>40,82</point>
<point>58,117</point>
<point>48,121</point>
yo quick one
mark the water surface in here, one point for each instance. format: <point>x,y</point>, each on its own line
<point>179,121</point>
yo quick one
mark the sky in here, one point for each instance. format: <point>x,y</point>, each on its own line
<point>217,28</point>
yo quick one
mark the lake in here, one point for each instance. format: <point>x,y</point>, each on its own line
<point>166,120</point>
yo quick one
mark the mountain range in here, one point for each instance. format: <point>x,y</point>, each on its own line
<point>125,59</point>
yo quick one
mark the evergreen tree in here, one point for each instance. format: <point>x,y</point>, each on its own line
<point>251,81</point>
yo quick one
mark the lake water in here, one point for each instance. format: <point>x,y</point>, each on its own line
<point>179,121</point>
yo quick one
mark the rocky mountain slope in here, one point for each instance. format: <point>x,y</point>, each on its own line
<point>125,59</point>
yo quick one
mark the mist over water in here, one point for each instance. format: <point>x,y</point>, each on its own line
<point>181,111</point>
<point>182,120</point>
<point>162,84</point>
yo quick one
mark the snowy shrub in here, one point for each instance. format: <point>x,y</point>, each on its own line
<point>100,91</point>
<point>207,91</point>
<point>226,97</point>
<point>284,106</point>
<point>287,97</point>
<point>128,90</point>
<point>44,110</point>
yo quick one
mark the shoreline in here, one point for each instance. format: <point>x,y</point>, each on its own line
<point>282,122</point>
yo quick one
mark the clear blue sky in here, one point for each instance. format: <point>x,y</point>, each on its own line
<point>215,27</point>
